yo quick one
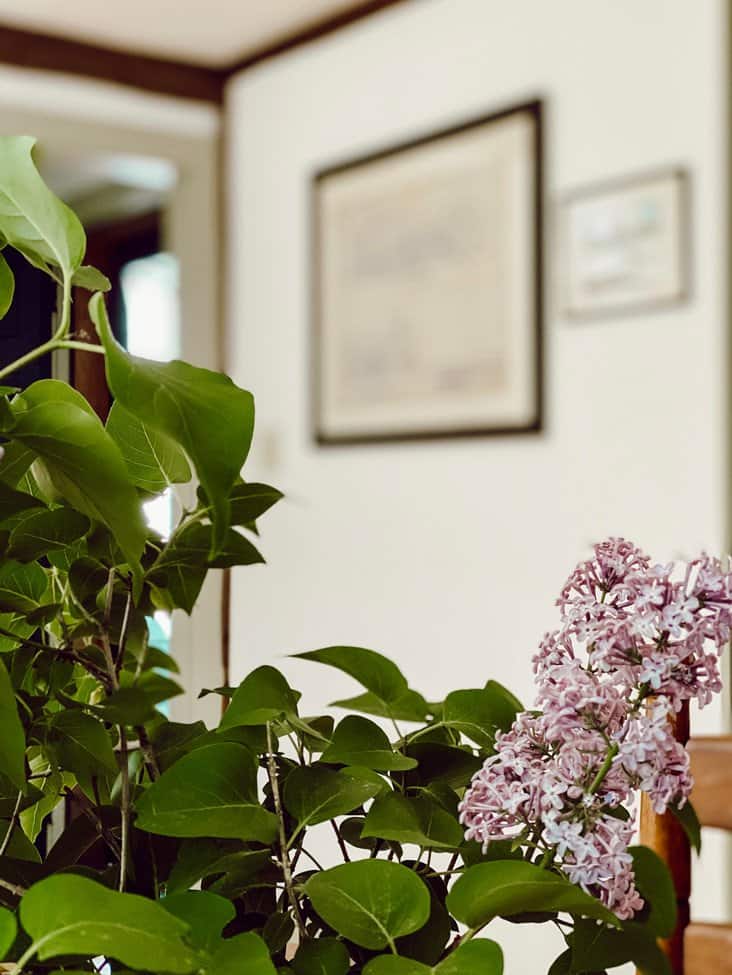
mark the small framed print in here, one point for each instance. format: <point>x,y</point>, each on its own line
<point>427,286</point>
<point>626,245</point>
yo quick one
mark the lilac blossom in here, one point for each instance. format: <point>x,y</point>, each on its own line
<point>636,641</point>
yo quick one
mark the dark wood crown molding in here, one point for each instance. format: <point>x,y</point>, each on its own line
<point>28,49</point>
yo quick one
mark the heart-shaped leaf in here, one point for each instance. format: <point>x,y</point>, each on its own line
<point>40,532</point>
<point>264,695</point>
<point>81,459</point>
<point>314,794</point>
<point>686,815</point>
<point>371,902</point>
<point>324,956</point>
<point>408,819</point>
<point>202,411</point>
<point>358,741</point>
<point>153,460</point>
<point>8,931</point>
<point>242,953</point>
<point>206,915</point>
<point>506,887</point>
<point>13,502</point>
<point>478,713</point>
<point>72,915</point>
<point>411,706</point>
<point>655,885</point>
<point>32,219</point>
<point>212,791</point>
<point>21,586</point>
<point>377,673</point>
<point>81,743</point>
<point>477,957</point>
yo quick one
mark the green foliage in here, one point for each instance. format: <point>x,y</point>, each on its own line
<point>162,807</point>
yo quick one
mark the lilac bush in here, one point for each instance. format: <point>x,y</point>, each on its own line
<point>636,641</point>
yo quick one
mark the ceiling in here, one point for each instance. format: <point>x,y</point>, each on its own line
<point>214,33</point>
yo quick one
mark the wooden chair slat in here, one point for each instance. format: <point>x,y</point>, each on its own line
<point>711,766</point>
<point>708,949</point>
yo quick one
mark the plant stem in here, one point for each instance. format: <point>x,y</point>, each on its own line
<point>146,748</point>
<point>124,807</point>
<point>341,844</point>
<point>284,856</point>
<point>11,825</point>
<point>12,888</point>
<point>80,346</point>
<point>604,769</point>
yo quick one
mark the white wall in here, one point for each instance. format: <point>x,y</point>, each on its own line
<point>448,555</point>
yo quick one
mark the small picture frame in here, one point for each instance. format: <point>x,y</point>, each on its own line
<point>427,286</point>
<point>626,245</point>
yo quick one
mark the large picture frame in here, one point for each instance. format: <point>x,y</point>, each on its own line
<point>427,285</point>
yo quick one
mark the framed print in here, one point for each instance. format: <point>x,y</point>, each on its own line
<point>626,245</point>
<point>428,287</point>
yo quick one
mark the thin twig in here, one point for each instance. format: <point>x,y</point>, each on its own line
<point>11,826</point>
<point>341,844</point>
<point>124,807</point>
<point>15,889</point>
<point>284,857</point>
<point>122,643</point>
<point>151,763</point>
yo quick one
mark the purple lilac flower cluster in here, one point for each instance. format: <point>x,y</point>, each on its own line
<point>635,642</point>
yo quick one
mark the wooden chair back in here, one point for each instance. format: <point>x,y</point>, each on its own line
<point>695,948</point>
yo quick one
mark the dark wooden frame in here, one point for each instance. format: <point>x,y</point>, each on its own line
<point>48,52</point>
<point>533,108</point>
<point>685,252</point>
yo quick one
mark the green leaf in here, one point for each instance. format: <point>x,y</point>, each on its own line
<point>71,915</point>
<point>201,857</point>
<point>8,931</point>
<point>687,817</point>
<point>127,706</point>
<point>595,946</point>
<point>505,887</point>
<point>192,546</point>
<point>7,287</point>
<point>32,219</point>
<point>248,501</point>
<point>179,586</point>
<point>16,461</point>
<point>21,586</point>
<point>441,763</point>
<point>417,820</point>
<point>245,953</point>
<point>563,964</point>
<point>479,713</point>
<point>212,791</point>
<point>81,743</point>
<point>411,706</point>
<point>13,502</point>
<point>12,736</point>
<point>41,532</point>
<point>206,915</point>
<point>264,695</point>
<point>477,957</point>
<point>91,278</point>
<point>396,965</point>
<point>377,673</point>
<point>314,794</point>
<point>153,460</point>
<point>655,885</point>
<point>82,461</point>
<point>371,902</point>
<point>202,411</point>
<point>19,847</point>
<point>324,956</point>
<point>358,741</point>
